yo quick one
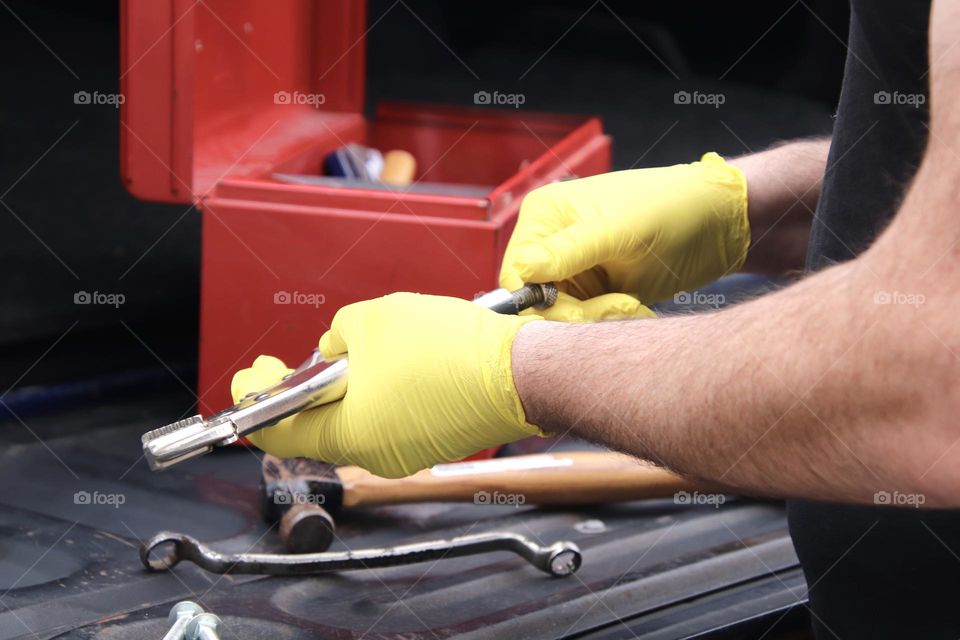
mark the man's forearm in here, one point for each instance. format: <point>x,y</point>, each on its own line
<point>820,390</point>
<point>783,186</point>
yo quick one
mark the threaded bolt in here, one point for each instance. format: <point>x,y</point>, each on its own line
<point>203,627</point>
<point>180,616</point>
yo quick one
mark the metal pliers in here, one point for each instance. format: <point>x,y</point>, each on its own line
<point>313,383</point>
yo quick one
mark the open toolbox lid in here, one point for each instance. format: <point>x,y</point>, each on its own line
<point>229,87</point>
<point>223,93</point>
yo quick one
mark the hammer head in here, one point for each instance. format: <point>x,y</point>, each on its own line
<point>306,528</point>
<point>301,494</point>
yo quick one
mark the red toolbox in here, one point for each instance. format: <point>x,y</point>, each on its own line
<point>222,94</point>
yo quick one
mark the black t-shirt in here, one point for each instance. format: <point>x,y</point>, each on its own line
<point>876,572</point>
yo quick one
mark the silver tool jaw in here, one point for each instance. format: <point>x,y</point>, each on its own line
<point>184,439</point>
<point>315,382</point>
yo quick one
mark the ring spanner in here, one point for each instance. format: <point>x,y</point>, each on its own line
<point>313,383</point>
<point>558,559</point>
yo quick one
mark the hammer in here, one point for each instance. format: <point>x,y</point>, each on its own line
<point>303,494</point>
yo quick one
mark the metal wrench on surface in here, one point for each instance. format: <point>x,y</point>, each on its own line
<point>558,559</point>
<point>313,383</point>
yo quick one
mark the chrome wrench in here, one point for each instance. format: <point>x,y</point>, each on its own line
<point>166,549</point>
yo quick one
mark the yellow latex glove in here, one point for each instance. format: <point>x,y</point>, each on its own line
<point>628,236</point>
<point>429,381</point>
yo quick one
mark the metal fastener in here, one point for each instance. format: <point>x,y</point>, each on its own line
<point>180,616</point>
<point>203,627</point>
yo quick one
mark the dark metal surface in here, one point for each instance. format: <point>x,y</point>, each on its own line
<point>69,565</point>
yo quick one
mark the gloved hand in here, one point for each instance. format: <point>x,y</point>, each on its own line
<point>612,240</point>
<point>430,381</point>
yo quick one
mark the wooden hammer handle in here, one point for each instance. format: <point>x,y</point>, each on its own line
<point>582,477</point>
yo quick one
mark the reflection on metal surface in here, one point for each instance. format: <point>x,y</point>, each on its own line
<point>590,526</point>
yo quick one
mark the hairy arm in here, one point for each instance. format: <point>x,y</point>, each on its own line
<point>783,186</point>
<point>815,391</point>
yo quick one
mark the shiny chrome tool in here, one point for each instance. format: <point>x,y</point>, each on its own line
<point>166,549</point>
<point>313,383</point>
<point>180,616</point>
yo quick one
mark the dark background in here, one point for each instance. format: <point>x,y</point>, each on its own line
<point>67,225</point>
